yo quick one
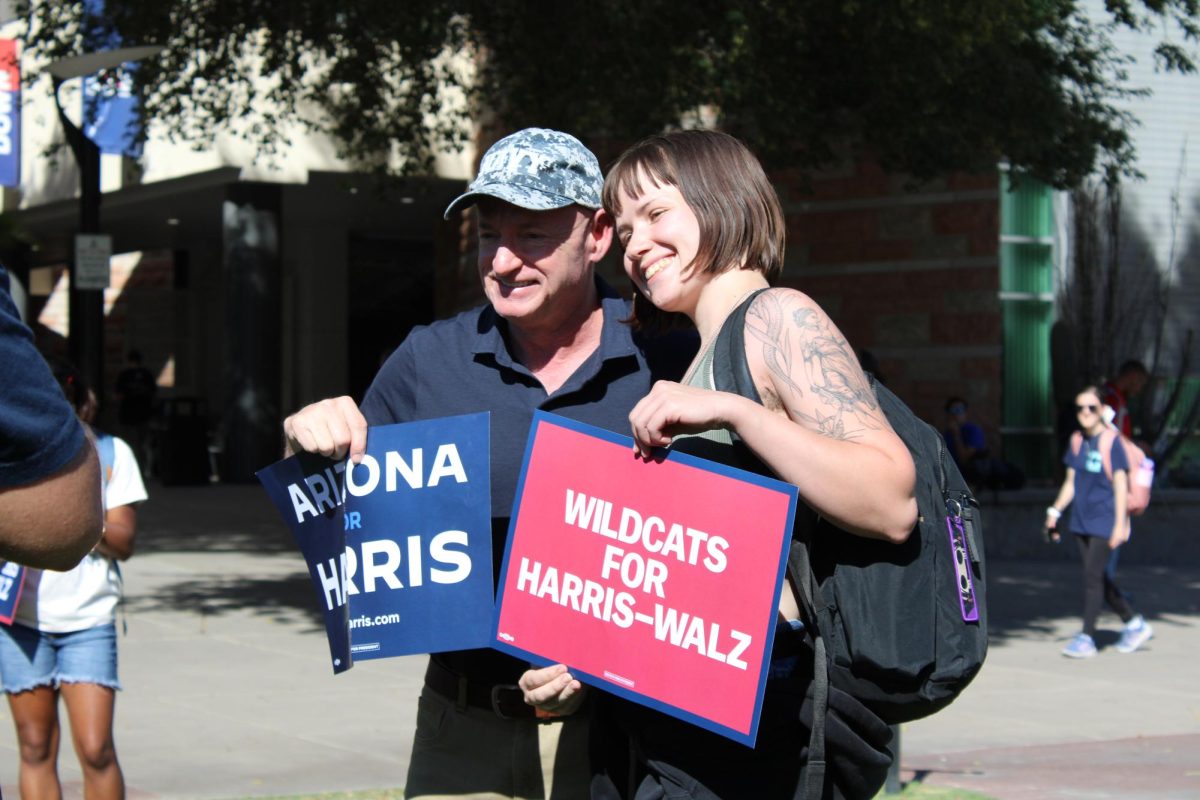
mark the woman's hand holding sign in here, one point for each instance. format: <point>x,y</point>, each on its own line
<point>552,690</point>
<point>673,408</point>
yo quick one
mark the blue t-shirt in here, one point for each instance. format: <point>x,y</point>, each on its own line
<point>1092,507</point>
<point>971,436</point>
<point>462,365</point>
<point>39,433</point>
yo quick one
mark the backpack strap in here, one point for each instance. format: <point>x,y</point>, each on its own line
<point>1108,438</point>
<point>731,373</point>
<point>108,456</point>
<point>812,787</point>
<point>1076,442</point>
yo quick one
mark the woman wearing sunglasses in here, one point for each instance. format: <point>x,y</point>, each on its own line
<point>1100,525</point>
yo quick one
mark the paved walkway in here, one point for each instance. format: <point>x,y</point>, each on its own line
<point>1038,726</point>
<point>229,694</point>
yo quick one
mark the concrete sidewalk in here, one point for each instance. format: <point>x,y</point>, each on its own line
<point>1035,725</point>
<point>228,692</point>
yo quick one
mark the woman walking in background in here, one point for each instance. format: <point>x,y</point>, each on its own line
<point>1099,522</point>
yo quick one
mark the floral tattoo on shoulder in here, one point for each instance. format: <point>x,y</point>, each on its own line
<point>812,362</point>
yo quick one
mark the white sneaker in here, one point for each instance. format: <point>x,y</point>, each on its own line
<point>1081,646</point>
<point>1137,632</point>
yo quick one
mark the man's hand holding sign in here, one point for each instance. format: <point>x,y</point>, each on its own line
<point>334,428</point>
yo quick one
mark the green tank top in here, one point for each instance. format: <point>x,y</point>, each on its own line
<point>702,378</point>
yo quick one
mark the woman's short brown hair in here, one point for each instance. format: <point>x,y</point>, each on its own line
<point>741,221</point>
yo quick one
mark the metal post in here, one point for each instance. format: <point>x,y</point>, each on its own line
<point>85,341</point>
<point>894,784</point>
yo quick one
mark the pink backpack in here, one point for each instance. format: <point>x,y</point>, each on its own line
<point>1141,468</point>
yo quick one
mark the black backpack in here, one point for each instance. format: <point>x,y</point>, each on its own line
<point>900,627</point>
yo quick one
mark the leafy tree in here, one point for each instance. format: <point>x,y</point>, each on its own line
<point>928,86</point>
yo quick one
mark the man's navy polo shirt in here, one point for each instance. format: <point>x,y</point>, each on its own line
<point>462,365</point>
<point>39,432</point>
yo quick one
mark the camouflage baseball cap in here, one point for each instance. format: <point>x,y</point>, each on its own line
<point>537,169</point>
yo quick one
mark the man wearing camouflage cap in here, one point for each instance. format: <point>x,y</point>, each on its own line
<point>550,337</point>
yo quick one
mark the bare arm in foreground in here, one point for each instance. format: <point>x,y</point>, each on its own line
<point>53,522</point>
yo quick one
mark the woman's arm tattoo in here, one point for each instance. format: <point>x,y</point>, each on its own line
<point>765,321</point>
<point>825,364</point>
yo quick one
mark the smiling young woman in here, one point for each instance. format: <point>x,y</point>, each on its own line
<point>702,230</point>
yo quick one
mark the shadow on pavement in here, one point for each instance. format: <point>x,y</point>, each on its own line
<point>227,551</point>
<point>1025,597</point>
<point>286,599</point>
<point>213,518</point>
<point>1030,597</point>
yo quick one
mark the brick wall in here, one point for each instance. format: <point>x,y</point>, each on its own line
<point>910,273</point>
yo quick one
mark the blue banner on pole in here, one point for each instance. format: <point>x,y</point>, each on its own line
<point>399,546</point>
<point>111,114</point>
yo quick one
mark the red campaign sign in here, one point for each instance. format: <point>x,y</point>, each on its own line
<point>657,581</point>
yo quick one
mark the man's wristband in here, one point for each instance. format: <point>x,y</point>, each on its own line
<point>1053,513</point>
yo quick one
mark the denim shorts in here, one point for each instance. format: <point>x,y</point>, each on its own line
<point>30,658</point>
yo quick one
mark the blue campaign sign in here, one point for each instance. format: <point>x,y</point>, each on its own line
<point>12,579</point>
<point>292,484</point>
<point>399,545</point>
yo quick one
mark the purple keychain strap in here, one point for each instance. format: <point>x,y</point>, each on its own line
<point>962,569</point>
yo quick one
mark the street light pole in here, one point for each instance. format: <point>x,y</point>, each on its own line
<point>85,307</point>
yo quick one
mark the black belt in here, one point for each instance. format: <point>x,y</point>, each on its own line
<point>505,699</point>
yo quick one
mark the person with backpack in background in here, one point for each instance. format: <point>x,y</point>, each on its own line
<point>702,231</point>
<point>63,639</point>
<point>1098,497</point>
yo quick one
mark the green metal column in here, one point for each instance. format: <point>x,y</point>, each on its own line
<point>1027,299</point>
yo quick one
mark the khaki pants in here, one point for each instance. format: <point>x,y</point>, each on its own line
<point>475,754</point>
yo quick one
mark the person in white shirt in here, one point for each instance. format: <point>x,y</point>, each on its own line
<point>63,641</point>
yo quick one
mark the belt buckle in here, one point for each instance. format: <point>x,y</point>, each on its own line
<point>508,701</point>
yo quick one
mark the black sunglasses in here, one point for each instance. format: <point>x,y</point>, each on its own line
<point>1093,409</point>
